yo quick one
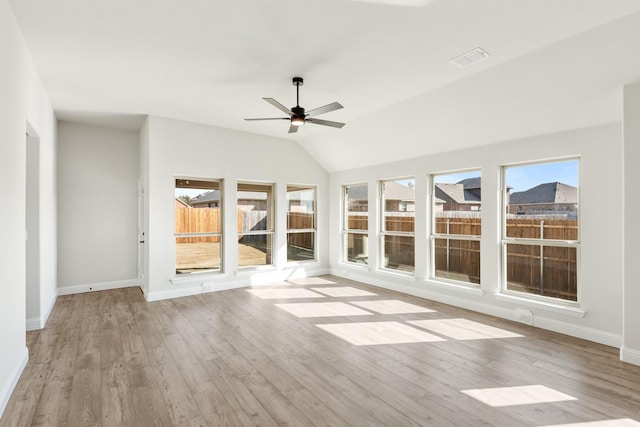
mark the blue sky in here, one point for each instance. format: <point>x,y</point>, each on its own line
<point>524,177</point>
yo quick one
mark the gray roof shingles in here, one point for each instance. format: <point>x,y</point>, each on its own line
<point>551,192</point>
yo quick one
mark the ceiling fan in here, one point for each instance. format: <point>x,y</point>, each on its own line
<point>297,115</point>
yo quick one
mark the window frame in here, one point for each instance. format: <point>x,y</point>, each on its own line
<point>539,242</point>
<point>383,227</point>
<point>219,234</point>
<point>270,231</point>
<point>345,225</point>
<point>434,235</point>
<point>312,230</point>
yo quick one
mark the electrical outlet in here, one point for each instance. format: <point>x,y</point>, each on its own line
<point>524,316</point>
<point>207,287</point>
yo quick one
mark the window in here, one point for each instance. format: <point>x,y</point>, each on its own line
<point>456,207</point>
<point>398,224</point>
<point>255,224</point>
<point>356,223</point>
<point>540,230</point>
<point>301,223</point>
<point>198,225</point>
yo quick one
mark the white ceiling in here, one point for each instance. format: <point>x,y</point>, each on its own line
<point>555,64</point>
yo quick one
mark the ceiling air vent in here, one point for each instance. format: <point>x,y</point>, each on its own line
<point>471,57</point>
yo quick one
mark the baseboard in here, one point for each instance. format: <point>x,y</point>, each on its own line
<point>7,390</point>
<point>33,324</point>
<point>630,355</point>
<point>206,286</point>
<point>539,321</point>
<point>92,287</point>
<point>36,323</point>
<point>46,315</point>
<point>585,333</point>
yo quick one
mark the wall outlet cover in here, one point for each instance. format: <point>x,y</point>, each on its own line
<point>524,316</point>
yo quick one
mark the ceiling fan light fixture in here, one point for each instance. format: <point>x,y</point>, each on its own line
<point>298,116</point>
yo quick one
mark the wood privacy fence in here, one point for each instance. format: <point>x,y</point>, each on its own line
<point>300,221</point>
<point>200,220</point>
<point>541,269</point>
<point>208,220</point>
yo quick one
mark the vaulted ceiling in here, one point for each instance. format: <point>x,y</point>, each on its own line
<point>554,65</point>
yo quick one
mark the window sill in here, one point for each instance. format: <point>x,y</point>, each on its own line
<point>453,285</point>
<point>569,309</point>
<point>184,279</point>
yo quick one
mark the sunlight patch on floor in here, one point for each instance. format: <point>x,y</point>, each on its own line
<point>344,291</point>
<point>322,309</point>
<point>391,306</point>
<point>464,329</point>
<point>376,333</point>
<point>519,395</point>
<point>623,422</point>
<point>284,293</point>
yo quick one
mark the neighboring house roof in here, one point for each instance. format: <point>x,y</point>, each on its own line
<point>457,193</point>
<point>182,202</point>
<point>392,191</point>
<point>551,192</point>
<point>358,192</point>
<point>471,183</point>
<point>209,196</point>
<point>395,191</point>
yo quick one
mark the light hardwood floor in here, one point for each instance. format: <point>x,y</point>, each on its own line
<point>241,358</point>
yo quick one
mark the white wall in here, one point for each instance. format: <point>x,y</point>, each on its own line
<point>23,101</point>
<point>143,206</point>
<point>630,351</point>
<point>97,207</point>
<point>190,150</point>
<point>600,151</point>
<point>33,232</point>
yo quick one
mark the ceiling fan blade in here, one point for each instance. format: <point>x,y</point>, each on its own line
<point>269,118</point>
<point>325,109</point>
<point>293,129</point>
<point>278,105</point>
<point>325,123</point>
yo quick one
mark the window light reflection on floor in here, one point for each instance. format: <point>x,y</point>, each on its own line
<point>391,307</point>
<point>284,293</point>
<point>322,309</point>
<point>376,333</point>
<point>344,291</point>
<point>519,395</point>
<point>623,422</point>
<point>464,329</point>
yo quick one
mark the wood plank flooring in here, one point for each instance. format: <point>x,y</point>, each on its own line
<point>236,358</point>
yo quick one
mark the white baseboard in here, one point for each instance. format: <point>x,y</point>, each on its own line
<point>33,324</point>
<point>92,287</point>
<point>36,323</point>
<point>7,389</point>
<point>262,279</point>
<point>46,315</point>
<point>630,355</point>
<point>474,304</point>
<point>583,332</point>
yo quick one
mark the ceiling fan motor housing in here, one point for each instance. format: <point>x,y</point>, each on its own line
<point>297,111</point>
